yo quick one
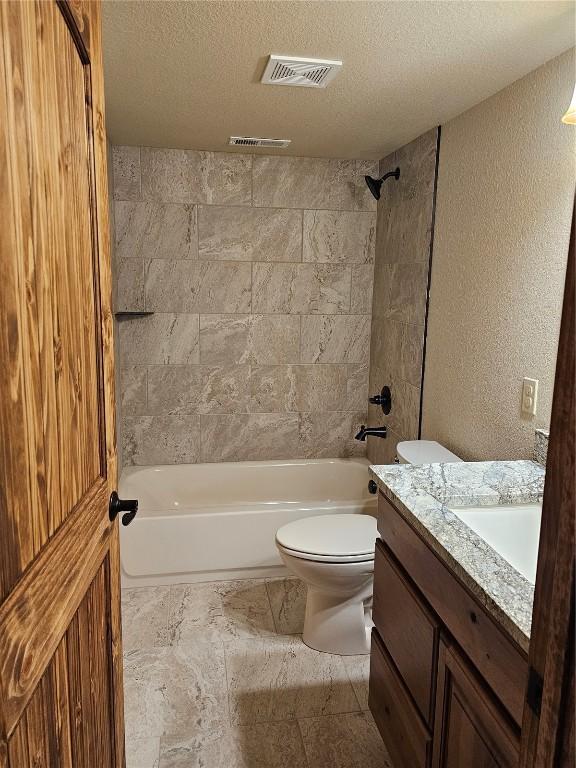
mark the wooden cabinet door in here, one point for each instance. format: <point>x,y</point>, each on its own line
<point>60,655</point>
<point>470,730</point>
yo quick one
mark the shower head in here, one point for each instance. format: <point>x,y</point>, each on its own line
<point>374,185</point>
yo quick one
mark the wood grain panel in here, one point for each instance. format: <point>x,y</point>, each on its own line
<point>469,723</point>
<point>51,282</point>
<point>23,508</point>
<point>548,734</point>
<point>408,629</point>
<point>47,598</point>
<point>60,642</point>
<point>405,735</point>
<point>499,660</point>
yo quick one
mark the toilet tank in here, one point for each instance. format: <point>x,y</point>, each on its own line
<point>424,452</point>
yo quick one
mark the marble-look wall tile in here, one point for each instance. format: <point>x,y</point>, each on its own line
<point>405,414</point>
<point>133,390</point>
<point>356,387</point>
<point>331,434</point>
<point>397,351</point>
<point>257,339</point>
<point>129,285</point>
<point>262,745</point>
<point>344,741</point>
<point>335,338</point>
<point>189,176</point>
<point>404,231</point>
<point>362,283</point>
<point>364,200</point>
<point>403,298</point>
<point>198,286</point>
<point>275,679</point>
<point>126,173</point>
<point>244,324</point>
<point>340,237</point>
<point>303,182</point>
<point>189,389</point>
<point>143,753</point>
<point>250,437</point>
<point>382,451</point>
<point>300,288</point>
<point>151,440</point>
<point>155,230</point>
<point>405,223</point>
<point>297,388</point>
<point>249,234</point>
<point>159,339</point>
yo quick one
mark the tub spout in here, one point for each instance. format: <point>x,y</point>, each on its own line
<point>370,432</point>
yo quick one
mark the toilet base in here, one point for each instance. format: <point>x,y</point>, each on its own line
<point>334,625</point>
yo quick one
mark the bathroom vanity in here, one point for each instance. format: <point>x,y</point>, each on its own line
<point>449,659</point>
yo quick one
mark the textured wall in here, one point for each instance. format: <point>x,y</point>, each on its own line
<point>259,273</point>
<point>400,290</point>
<point>505,192</point>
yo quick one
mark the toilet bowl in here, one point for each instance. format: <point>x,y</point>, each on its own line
<point>334,557</point>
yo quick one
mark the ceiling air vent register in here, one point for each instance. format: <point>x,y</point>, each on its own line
<point>293,70</point>
<point>250,141</point>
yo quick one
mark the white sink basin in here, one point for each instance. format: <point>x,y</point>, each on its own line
<point>512,530</point>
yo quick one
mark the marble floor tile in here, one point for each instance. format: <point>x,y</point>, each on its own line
<point>279,678</point>
<point>358,668</point>
<point>169,690</point>
<point>144,617</point>
<point>344,741</point>
<point>219,611</point>
<point>143,753</point>
<point>267,745</point>
<point>288,601</point>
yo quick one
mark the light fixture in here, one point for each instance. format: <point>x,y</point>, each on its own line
<point>570,116</point>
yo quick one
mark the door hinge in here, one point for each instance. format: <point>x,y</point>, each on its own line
<point>534,691</point>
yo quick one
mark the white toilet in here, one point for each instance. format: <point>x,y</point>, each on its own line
<point>334,557</point>
<point>424,452</point>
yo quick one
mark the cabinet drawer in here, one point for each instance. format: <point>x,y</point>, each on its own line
<point>406,737</point>
<point>408,629</point>
<point>499,660</point>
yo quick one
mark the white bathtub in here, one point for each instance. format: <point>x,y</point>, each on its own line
<point>203,522</point>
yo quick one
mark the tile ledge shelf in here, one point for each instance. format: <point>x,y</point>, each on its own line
<point>127,314</point>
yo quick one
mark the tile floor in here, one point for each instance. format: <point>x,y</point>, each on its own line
<point>216,676</point>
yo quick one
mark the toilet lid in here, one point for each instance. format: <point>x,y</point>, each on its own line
<point>348,535</point>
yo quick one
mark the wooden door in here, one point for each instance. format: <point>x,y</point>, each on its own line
<point>471,731</point>
<point>60,652</point>
<point>549,724</point>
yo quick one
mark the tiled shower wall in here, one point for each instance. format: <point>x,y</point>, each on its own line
<point>404,232</point>
<point>259,273</point>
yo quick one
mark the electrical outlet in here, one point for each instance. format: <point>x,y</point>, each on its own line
<point>529,397</point>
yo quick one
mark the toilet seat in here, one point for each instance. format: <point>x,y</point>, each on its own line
<point>327,558</point>
<point>345,538</point>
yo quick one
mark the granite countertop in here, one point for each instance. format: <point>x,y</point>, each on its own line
<point>422,494</point>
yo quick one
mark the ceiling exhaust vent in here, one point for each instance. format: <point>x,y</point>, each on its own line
<point>249,141</point>
<point>293,70</point>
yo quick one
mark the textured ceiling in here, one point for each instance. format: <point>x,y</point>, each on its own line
<point>186,74</point>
